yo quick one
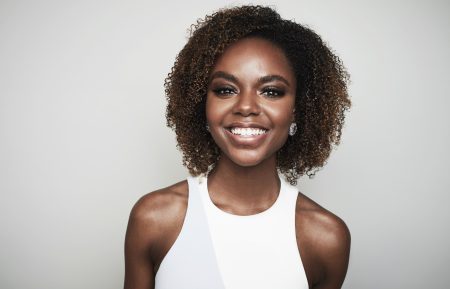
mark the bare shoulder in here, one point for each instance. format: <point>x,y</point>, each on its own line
<point>320,224</point>
<point>160,206</point>
<point>324,242</point>
<point>153,226</point>
<point>158,217</point>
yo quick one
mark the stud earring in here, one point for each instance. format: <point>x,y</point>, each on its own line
<point>207,127</point>
<point>292,129</point>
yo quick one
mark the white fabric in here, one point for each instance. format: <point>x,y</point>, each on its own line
<point>257,251</point>
<point>218,250</point>
<point>191,261</point>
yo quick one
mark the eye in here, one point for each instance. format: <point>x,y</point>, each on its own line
<point>224,90</point>
<point>272,92</point>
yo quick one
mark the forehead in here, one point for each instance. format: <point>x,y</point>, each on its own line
<point>257,53</point>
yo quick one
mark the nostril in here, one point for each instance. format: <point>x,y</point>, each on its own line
<point>247,105</point>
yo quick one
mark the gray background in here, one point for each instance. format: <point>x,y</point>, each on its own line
<point>83,136</point>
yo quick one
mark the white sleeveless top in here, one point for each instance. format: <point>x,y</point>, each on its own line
<point>219,250</point>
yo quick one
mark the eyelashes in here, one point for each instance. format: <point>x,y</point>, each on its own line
<point>273,92</point>
<point>224,91</point>
<point>270,92</point>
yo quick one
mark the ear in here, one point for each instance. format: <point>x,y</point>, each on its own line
<point>293,115</point>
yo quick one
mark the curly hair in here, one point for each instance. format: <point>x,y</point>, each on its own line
<point>321,96</point>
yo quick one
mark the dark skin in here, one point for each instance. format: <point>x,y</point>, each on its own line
<point>242,93</point>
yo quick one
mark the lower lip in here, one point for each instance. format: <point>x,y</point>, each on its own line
<point>247,140</point>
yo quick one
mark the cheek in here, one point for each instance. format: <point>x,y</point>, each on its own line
<point>281,115</point>
<point>214,118</point>
<point>210,109</point>
<point>215,110</point>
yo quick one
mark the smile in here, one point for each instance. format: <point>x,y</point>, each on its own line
<point>247,131</point>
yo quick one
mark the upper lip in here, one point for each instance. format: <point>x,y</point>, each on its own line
<point>246,125</point>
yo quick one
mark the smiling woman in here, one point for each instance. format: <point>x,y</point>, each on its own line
<point>250,101</point>
<point>251,96</point>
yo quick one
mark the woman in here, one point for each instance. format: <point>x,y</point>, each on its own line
<point>250,96</point>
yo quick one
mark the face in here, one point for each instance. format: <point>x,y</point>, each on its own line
<point>250,101</point>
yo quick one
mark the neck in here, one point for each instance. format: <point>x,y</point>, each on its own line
<point>244,189</point>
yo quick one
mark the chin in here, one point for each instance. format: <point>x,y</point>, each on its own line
<point>247,159</point>
<point>247,163</point>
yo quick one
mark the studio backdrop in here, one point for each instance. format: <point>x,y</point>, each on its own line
<point>83,134</point>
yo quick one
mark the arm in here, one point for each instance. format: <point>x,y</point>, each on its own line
<point>334,252</point>
<point>155,222</point>
<point>324,244</point>
<point>139,273</point>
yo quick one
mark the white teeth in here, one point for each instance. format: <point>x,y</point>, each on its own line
<point>247,131</point>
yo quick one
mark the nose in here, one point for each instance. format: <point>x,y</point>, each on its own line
<point>247,103</point>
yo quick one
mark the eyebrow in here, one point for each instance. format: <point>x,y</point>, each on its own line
<point>262,79</point>
<point>274,77</point>
<point>224,75</point>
